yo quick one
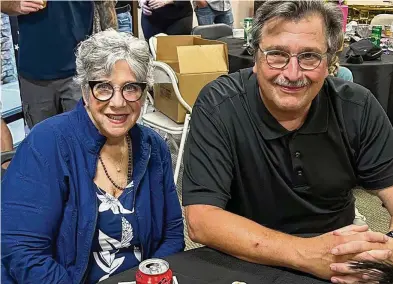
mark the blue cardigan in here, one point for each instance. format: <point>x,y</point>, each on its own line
<point>49,206</point>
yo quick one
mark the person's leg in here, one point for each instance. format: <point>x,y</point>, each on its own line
<point>150,28</point>
<point>124,21</point>
<point>205,15</point>
<point>38,100</point>
<point>225,17</point>
<point>69,93</point>
<point>180,27</point>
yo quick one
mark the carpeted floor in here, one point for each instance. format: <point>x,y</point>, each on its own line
<point>377,217</point>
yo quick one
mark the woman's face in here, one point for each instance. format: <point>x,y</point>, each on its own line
<point>114,117</point>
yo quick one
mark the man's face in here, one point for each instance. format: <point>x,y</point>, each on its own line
<point>291,89</point>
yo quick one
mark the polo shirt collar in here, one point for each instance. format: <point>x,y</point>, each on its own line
<point>316,121</point>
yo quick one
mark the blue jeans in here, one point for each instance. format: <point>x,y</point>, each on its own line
<point>124,21</point>
<point>208,16</point>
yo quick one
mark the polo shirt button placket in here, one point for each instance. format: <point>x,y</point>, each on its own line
<point>300,173</point>
<point>297,154</point>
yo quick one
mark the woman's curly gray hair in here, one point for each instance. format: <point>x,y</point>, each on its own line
<point>96,56</point>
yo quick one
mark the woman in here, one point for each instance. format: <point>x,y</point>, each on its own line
<point>335,69</point>
<point>90,193</point>
<point>172,17</point>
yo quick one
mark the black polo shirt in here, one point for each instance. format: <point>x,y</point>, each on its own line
<point>238,157</point>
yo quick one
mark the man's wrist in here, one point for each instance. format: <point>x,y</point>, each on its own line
<point>298,260</point>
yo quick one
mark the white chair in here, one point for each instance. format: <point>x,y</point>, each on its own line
<point>382,19</point>
<point>153,44</point>
<point>163,73</point>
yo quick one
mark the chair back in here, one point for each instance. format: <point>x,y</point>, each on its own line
<point>164,74</point>
<point>382,19</point>
<point>214,31</point>
<point>153,44</point>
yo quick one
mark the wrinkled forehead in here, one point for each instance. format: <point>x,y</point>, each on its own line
<point>295,35</point>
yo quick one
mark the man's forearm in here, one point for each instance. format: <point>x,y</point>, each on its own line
<point>107,13</point>
<point>386,196</point>
<point>243,238</point>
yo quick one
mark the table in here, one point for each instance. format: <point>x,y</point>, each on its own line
<point>207,266</point>
<point>377,75</point>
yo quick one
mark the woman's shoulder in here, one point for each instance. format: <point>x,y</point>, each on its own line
<point>154,139</point>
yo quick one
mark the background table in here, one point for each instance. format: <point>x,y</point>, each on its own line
<point>207,266</point>
<point>377,75</point>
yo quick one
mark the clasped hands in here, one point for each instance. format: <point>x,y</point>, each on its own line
<point>149,5</point>
<point>341,247</point>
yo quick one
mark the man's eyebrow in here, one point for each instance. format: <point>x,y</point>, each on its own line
<point>286,49</point>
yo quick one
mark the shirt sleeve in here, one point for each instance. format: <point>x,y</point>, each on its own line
<point>208,163</point>
<point>32,209</point>
<point>375,155</point>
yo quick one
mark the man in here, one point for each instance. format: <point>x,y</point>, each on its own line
<point>210,12</point>
<point>274,151</point>
<point>49,31</point>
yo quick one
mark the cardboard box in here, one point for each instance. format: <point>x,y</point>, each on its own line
<point>196,62</point>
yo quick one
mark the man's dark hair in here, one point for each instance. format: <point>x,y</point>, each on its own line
<point>295,10</point>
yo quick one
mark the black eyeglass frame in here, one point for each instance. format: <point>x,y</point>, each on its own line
<point>93,83</point>
<point>266,53</point>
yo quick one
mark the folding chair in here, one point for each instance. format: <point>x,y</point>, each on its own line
<point>163,73</point>
<point>153,44</point>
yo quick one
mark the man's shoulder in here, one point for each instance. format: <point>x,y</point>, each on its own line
<point>345,92</point>
<point>223,90</point>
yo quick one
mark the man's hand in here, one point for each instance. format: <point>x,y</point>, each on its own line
<point>362,251</point>
<point>317,253</point>
<point>201,3</point>
<point>155,4</point>
<point>21,7</point>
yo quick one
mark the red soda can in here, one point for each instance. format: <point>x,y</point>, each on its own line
<point>154,271</point>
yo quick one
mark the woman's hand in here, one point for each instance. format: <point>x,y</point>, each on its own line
<point>201,3</point>
<point>155,4</point>
<point>146,10</point>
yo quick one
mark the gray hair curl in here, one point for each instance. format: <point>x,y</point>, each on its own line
<point>96,56</point>
<point>296,10</point>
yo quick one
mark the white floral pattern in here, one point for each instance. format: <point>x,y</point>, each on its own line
<point>110,202</point>
<point>105,258</point>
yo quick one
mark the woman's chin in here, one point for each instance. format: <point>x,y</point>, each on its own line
<point>116,132</point>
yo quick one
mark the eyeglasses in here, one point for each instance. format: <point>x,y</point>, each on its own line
<point>279,59</point>
<point>104,90</point>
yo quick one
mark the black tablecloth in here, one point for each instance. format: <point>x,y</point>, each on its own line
<point>377,75</point>
<point>207,266</point>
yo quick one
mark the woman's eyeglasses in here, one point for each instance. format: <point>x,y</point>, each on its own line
<point>104,90</point>
<point>279,59</point>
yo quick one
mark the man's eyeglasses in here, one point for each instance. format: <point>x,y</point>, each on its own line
<point>104,90</point>
<point>279,59</point>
